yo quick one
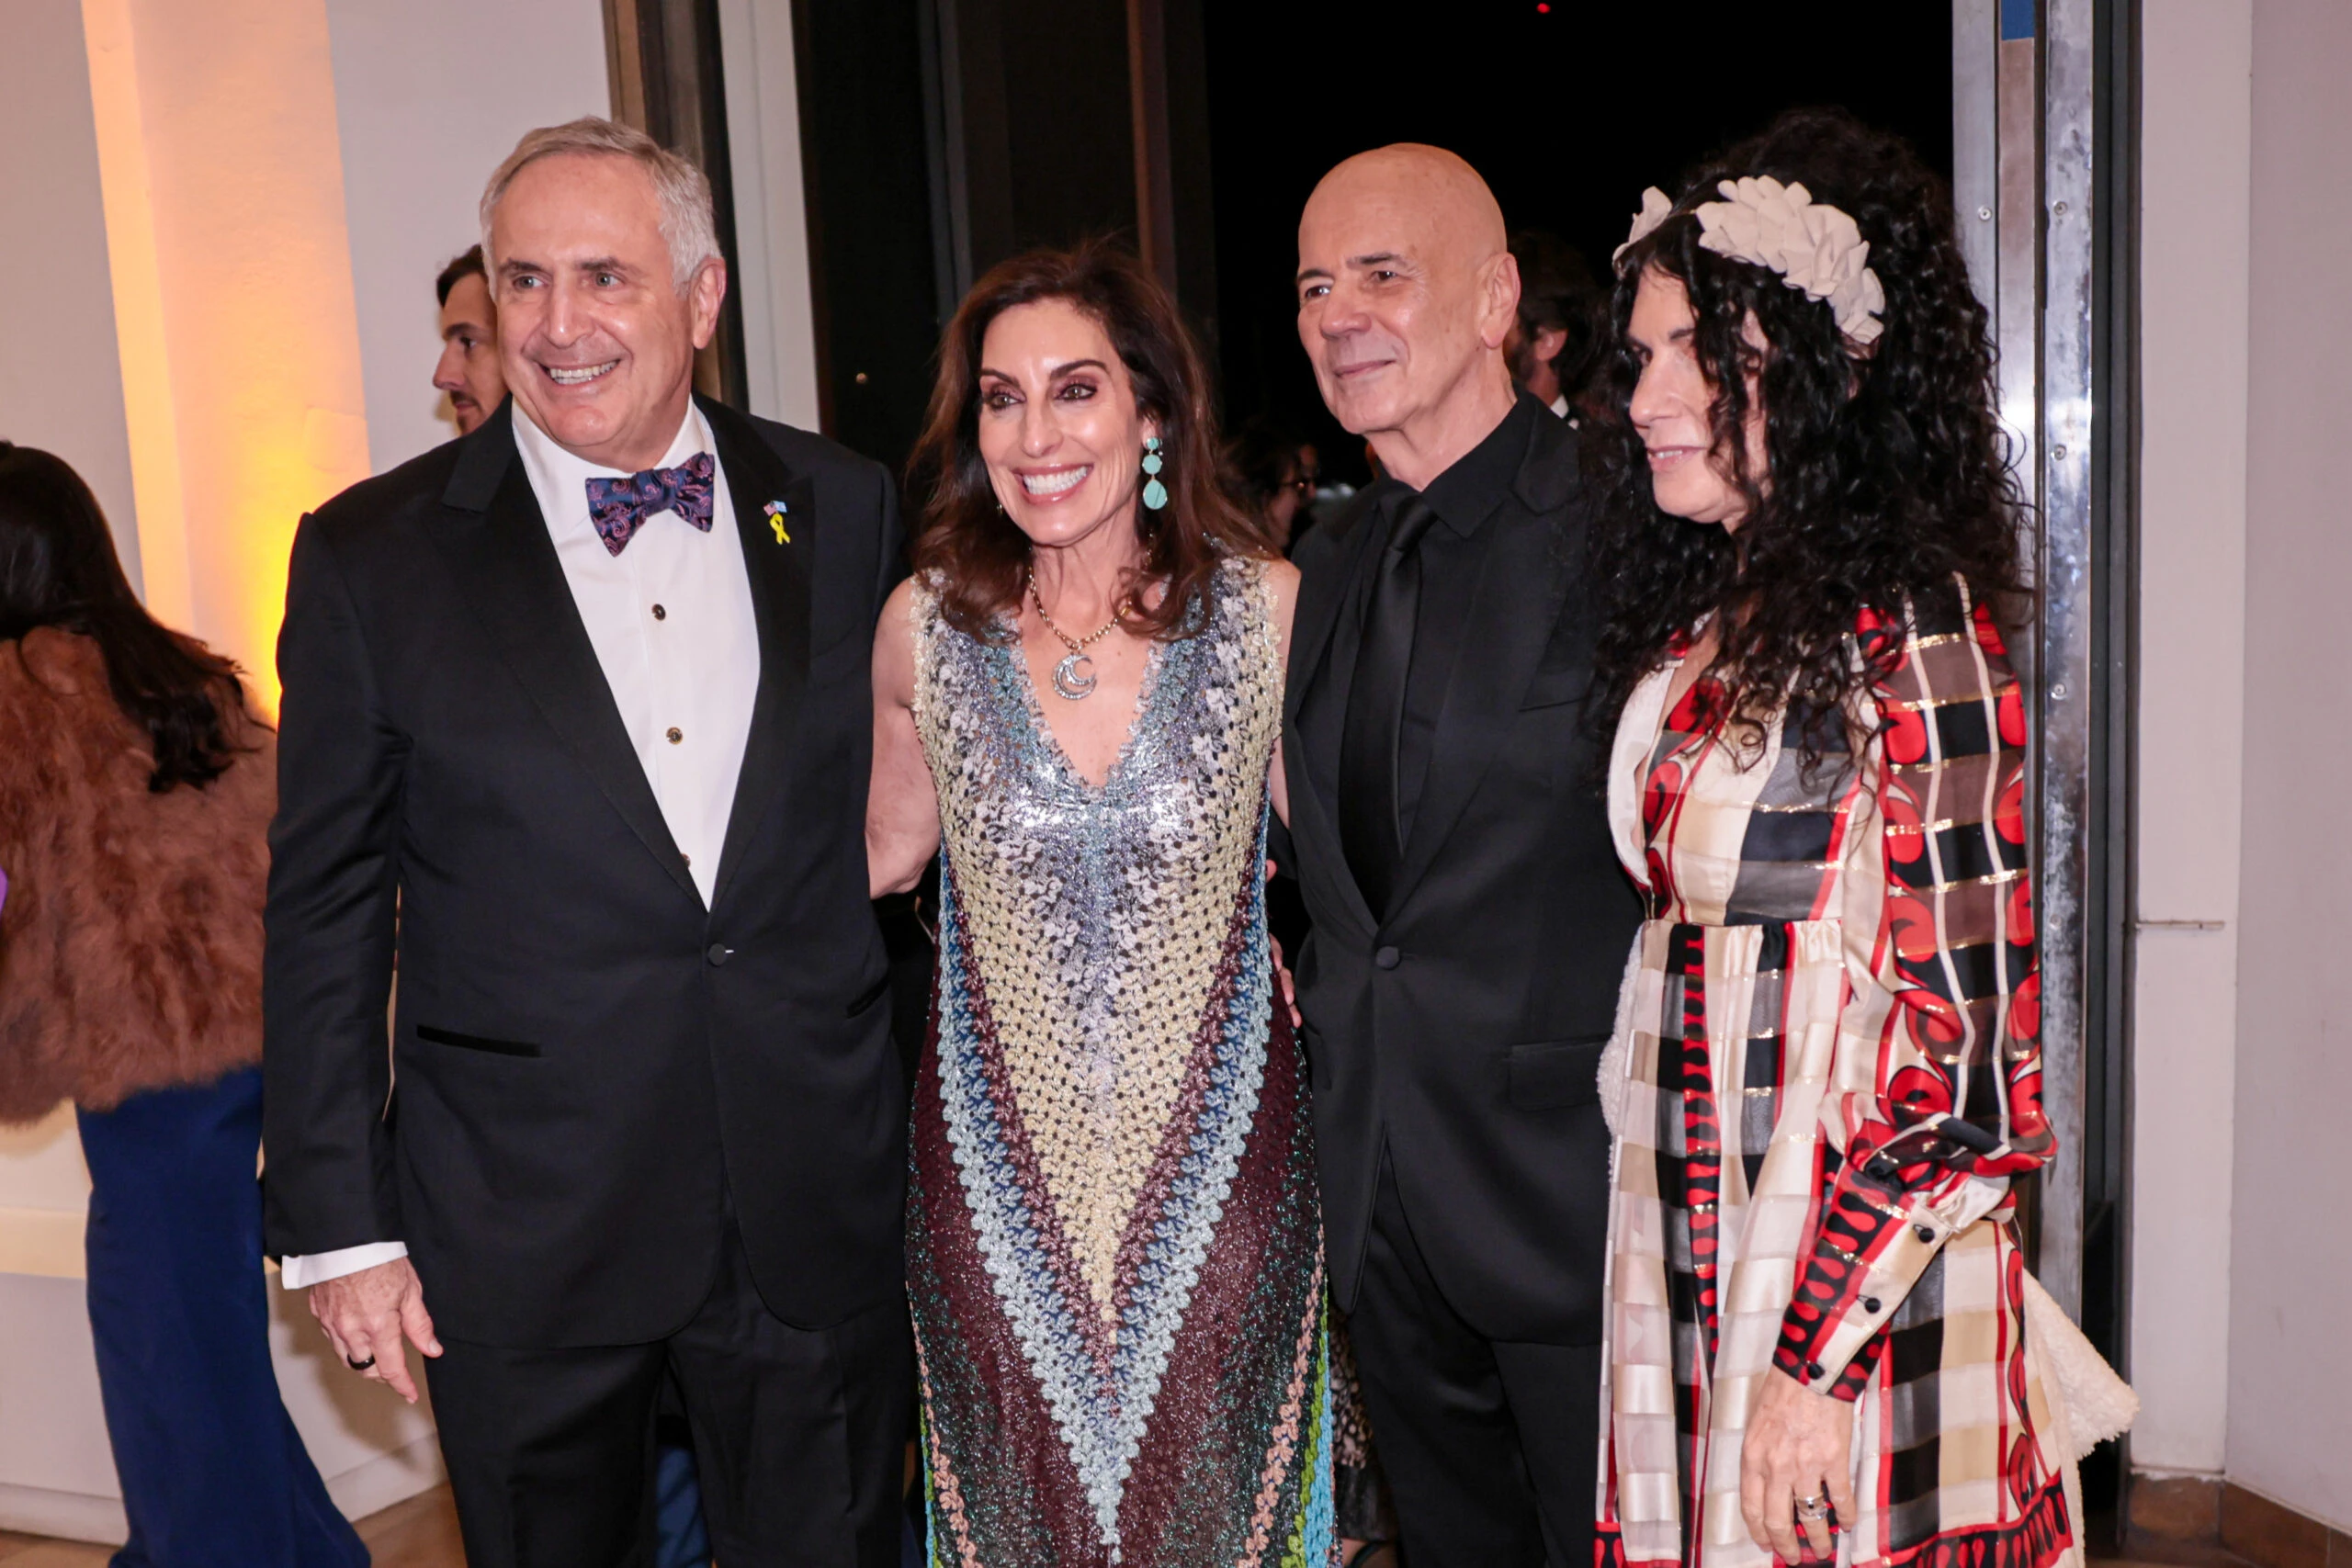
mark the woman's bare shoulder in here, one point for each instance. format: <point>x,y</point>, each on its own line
<point>899,609</point>
<point>1280,586</point>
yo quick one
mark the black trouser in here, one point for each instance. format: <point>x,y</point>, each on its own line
<point>799,1438</point>
<point>1490,1447</point>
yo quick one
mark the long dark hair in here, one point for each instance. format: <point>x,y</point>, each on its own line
<point>979,557</point>
<point>1888,473</point>
<point>58,568</point>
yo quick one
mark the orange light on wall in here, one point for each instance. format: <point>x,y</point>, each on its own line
<point>231,272</point>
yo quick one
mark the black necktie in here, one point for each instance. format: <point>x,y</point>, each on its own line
<point>1370,834</point>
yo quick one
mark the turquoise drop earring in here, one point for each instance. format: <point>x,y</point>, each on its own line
<point>1154,494</point>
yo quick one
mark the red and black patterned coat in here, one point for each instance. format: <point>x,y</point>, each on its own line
<point>1827,1071</point>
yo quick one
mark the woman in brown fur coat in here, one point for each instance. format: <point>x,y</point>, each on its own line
<point>135,796</point>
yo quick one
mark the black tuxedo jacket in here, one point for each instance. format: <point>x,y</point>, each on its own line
<point>589,1069</point>
<point>1465,1029</point>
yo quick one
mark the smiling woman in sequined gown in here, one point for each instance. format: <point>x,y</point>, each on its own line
<point>1114,1252</point>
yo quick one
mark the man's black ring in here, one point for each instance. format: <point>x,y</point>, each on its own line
<point>359,1366</point>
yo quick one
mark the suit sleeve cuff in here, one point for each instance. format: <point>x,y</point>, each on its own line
<point>317,1267</point>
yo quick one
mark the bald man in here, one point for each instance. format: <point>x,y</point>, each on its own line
<point>1470,921</point>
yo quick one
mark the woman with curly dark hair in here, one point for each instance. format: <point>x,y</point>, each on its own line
<point>1822,1344</point>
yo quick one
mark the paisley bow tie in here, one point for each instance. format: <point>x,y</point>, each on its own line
<point>620,507</point>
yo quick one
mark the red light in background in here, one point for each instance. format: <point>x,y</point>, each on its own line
<point>1543,7</point>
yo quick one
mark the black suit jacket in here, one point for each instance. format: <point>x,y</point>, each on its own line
<point>1466,1028</point>
<point>588,1066</point>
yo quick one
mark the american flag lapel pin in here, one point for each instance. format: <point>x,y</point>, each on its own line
<point>775,511</point>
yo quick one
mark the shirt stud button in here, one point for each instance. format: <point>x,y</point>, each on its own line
<point>1870,1305</point>
<point>1923,1233</point>
<point>660,614</point>
<point>675,735</point>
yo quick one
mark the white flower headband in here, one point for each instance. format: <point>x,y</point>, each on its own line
<point>1812,245</point>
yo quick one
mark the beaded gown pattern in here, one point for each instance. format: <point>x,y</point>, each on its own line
<point>1114,1249</point>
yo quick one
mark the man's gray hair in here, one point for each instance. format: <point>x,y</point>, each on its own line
<point>688,224</point>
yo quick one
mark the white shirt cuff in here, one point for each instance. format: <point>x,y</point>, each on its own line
<point>320,1267</point>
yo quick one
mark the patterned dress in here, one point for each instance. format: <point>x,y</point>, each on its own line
<point>1825,1073</point>
<point>1114,1250</point>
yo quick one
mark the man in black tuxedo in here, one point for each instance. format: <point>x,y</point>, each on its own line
<point>1470,920</point>
<point>577,720</point>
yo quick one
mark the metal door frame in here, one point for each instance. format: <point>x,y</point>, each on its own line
<point>2044,179</point>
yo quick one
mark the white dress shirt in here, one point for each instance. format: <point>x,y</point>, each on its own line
<point>672,622</point>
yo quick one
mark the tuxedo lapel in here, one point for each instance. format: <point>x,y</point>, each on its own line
<point>1316,694</point>
<point>779,550</point>
<point>1319,669</point>
<point>1321,596</point>
<point>497,547</point>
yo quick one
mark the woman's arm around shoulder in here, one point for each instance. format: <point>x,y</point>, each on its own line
<point>901,807</point>
<point>1282,581</point>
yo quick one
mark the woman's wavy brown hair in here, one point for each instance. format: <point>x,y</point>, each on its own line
<point>977,557</point>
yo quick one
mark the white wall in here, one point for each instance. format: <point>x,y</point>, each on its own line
<point>60,384</point>
<point>2290,1260</point>
<point>2196,106</point>
<point>57,1472</point>
<point>2242,1172</point>
<point>231,272</point>
<point>430,95</point>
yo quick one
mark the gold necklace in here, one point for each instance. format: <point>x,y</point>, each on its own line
<point>1070,679</point>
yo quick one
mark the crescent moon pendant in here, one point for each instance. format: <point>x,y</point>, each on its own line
<point>1074,677</point>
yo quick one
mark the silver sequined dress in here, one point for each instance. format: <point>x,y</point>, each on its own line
<point>1113,1246</point>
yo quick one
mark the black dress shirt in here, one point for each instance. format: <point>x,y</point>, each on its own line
<point>1451,552</point>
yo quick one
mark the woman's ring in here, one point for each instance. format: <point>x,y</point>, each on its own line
<point>1814,1507</point>
<point>359,1366</point>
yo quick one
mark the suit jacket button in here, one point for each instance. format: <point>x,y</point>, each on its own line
<point>1388,958</point>
<point>719,953</point>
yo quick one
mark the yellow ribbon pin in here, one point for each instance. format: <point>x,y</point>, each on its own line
<point>775,520</point>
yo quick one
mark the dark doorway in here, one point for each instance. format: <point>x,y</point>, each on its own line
<point>1567,108</point>
<point>942,135</point>
<point>939,136</point>
<point>867,156</point>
